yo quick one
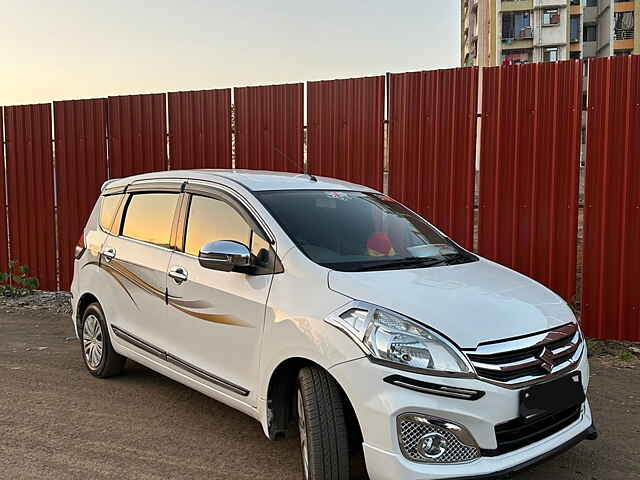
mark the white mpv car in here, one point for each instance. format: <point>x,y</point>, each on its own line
<point>329,310</point>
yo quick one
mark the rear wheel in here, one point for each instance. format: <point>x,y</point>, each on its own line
<point>324,442</point>
<point>98,353</point>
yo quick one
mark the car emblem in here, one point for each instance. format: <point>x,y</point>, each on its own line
<point>546,356</point>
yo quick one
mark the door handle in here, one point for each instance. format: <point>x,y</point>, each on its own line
<point>179,274</point>
<point>109,254</point>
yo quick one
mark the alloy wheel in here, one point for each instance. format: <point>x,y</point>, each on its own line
<point>92,341</point>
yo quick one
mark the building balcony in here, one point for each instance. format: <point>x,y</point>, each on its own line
<point>575,10</point>
<point>589,49</point>
<point>621,34</point>
<point>590,14</point>
<point>516,5</point>
<point>549,3</point>
<point>544,36</point>
<point>623,44</point>
<point>525,33</point>
<point>513,44</point>
<point>517,57</point>
<point>624,6</point>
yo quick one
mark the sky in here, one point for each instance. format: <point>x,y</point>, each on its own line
<point>69,49</point>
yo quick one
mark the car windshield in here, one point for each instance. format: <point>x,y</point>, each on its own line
<point>358,231</point>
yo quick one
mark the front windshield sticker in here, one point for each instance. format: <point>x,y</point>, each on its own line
<point>339,195</point>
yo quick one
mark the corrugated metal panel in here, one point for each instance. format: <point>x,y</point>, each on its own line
<point>611,268</point>
<point>432,146</point>
<point>530,148</point>
<point>4,239</point>
<point>137,134</point>
<point>30,188</point>
<point>81,169</point>
<point>346,129</point>
<point>200,129</point>
<point>269,123</point>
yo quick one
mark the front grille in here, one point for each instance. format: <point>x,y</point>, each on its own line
<point>413,427</point>
<point>519,432</point>
<point>531,358</point>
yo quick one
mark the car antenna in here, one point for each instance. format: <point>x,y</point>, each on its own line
<point>294,164</point>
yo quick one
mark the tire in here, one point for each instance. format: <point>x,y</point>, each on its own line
<point>322,426</point>
<point>97,352</point>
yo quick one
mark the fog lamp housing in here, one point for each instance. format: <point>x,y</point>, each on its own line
<point>427,439</point>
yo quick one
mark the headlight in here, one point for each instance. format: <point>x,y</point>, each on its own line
<point>392,338</point>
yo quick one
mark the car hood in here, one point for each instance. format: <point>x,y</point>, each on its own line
<point>470,303</point>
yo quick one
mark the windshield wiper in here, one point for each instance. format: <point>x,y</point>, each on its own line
<point>455,258</point>
<point>403,263</point>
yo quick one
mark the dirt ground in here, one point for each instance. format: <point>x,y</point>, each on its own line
<point>58,422</point>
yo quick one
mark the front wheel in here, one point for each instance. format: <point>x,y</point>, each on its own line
<point>324,441</point>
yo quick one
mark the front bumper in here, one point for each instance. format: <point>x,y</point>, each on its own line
<point>377,405</point>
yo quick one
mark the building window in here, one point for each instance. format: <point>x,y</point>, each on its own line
<point>574,55</point>
<point>590,33</point>
<point>550,54</point>
<point>551,16</point>
<point>575,28</point>
<point>591,3</point>
<point>621,53</point>
<point>516,26</point>
<point>624,25</point>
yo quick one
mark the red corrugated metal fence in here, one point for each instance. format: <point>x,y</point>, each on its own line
<point>530,148</point>
<point>432,146</point>
<point>4,247</point>
<point>610,294</point>
<point>81,169</point>
<point>30,190</point>
<point>137,134</point>
<point>200,129</point>
<point>529,163</point>
<point>346,129</point>
<point>269,127</point>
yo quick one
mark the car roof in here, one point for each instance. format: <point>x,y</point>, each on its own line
<point>255,180</point>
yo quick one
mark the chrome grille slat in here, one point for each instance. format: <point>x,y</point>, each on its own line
<point>525,343</point>
<point>567,349</point>
<point>526,360</point>
<point>506,367</point>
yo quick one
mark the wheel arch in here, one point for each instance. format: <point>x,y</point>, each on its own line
<point>84,301</point>
<point>279,406</point>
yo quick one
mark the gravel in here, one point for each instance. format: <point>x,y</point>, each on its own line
<point>54,302</point>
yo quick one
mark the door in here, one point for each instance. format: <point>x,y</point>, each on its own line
<point>136,261</point>
<point>217,317</point>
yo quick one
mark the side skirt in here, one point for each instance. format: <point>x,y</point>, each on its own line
<point>177,362</point>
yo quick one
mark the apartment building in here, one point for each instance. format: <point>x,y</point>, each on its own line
<point>498,32</point>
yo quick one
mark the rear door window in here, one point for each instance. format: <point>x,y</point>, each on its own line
<point>149,217</point>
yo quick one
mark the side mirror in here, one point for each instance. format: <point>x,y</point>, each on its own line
<point>225,256</point>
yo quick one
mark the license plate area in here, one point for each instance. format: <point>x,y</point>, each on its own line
<point>553,396</point>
